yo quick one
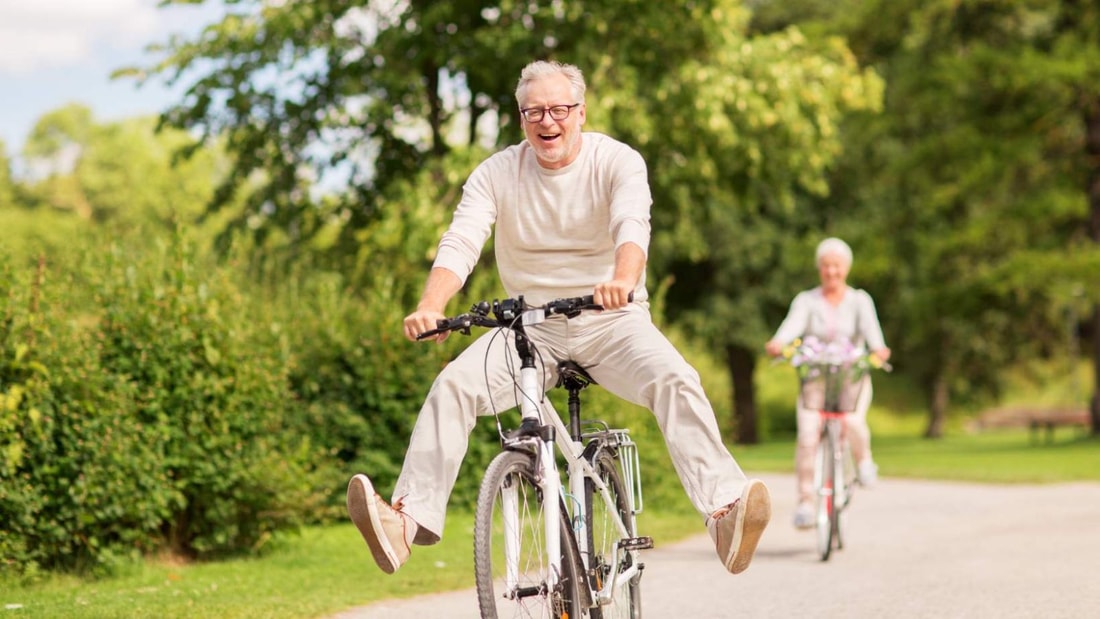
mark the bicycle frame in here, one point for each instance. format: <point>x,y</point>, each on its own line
<point>607,569</point>
<point>834,427</point>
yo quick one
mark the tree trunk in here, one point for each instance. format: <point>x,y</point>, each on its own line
<point>940,400</point>
<point>1094,407</point>
<point>742,365</point>
<point>1092,161</point>
<point>435,108</point>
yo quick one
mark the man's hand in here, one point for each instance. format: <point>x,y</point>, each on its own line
<point>613,294</point>
<point>442,284</point>
<point>424,320</point>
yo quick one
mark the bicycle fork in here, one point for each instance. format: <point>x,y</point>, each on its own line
<point>548,480</point>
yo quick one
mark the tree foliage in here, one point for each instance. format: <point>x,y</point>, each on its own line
<point>735,135</point>
<point>762,137</point>
<point>120,174</point>
<point>971,181</point>
<point>7,186</point>
<point>733,128</point>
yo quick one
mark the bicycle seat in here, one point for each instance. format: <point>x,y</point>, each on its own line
<point>572,376</point>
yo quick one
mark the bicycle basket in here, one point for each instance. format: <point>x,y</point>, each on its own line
<point>832,388</point>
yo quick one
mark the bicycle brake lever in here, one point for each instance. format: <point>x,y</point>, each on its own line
<point>458,323</point>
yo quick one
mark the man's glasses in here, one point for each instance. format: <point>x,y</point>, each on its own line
<point>557,112</point>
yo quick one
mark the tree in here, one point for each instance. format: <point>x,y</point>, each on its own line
<point>51,151</point>
<point>123,173</point>
<point>1092,150</point>
<point>734,129</point>
<point>369,93</point>
<point>736,136</point>
<point>978,165</point>
<point>7,186</point>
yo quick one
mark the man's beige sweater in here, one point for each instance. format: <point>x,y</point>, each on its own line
<point>556,230</point>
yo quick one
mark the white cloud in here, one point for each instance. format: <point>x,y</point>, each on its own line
<point>50,34</point>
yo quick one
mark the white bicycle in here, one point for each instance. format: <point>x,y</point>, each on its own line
<point>544,545</point>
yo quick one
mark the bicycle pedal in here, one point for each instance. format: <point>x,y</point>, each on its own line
<point>636,543</point>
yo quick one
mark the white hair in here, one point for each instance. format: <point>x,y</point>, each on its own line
<point>833,245</point>
<point>545,68</point>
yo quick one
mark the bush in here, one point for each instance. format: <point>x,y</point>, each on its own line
<point>142,407</point>
<point>212,384</point>
<point>360,382</point>
<point>73,465</point>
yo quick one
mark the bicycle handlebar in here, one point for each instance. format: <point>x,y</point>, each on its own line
<point>506,313</point>
<point>873,363</point>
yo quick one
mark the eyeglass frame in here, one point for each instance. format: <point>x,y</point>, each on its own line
<point>543,111</point>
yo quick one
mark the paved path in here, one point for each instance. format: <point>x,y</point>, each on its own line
<point>913,549</point>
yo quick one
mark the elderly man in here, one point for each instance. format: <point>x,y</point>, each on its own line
<point>571,216</point>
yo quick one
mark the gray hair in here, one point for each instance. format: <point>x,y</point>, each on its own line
<point>545,68</point>
<point>833,245</point>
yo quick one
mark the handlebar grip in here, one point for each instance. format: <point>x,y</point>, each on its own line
<point>589,300</point>
<point>429,333</point>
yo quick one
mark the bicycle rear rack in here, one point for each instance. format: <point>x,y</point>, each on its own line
<point>629,461</point>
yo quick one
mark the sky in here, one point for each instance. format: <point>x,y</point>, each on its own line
<point>56,52</point>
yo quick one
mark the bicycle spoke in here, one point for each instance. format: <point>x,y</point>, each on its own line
<point>606,560</point>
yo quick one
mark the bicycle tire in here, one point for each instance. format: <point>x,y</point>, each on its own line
<point>825,477</point>
<point>603,536</point>
<point>513,473</point>
<point>848,475</point>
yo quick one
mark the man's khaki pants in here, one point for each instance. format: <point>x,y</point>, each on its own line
<point>623,351</point>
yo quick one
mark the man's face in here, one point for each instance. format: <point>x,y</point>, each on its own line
<point>556,142</point>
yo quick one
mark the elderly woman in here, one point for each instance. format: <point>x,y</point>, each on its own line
<point>831,312</point>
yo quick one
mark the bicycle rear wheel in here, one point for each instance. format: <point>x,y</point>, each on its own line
<point>603,537</point>
<point>825,484</point>
<point>511,562</point>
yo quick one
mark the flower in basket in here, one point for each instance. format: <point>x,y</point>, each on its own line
<point>811,355</point>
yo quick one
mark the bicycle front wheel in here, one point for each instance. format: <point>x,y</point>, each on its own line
<point>511,562</point>
<point>603,536</point>
<point>825,484</point>
<point>846,481</point>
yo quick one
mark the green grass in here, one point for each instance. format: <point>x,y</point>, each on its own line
<point>316,574</point>
<point>898,419</point>
<point>1009,456</point>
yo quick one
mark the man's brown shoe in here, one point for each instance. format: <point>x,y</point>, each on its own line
<point>385,528</point>
<point>736,528</point>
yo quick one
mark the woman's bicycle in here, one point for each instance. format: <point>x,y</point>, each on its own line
<point>545,546</point>
<point>831,378</point>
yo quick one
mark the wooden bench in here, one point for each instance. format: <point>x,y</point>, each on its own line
<point>1050,419</point>
<point>1037,420</point>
